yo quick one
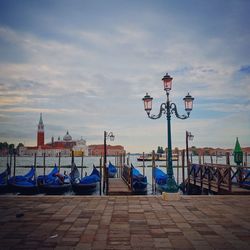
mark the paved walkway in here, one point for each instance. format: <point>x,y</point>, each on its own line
<point>124,222</point>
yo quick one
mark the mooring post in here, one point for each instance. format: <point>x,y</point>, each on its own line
<point>178,171</point>
<point>59,160</point>
<point>211,158</point>
<point>153,169</point>
<point>72,157</point>
<point>230,180</point>
<point>82,164</point>
<point>245,162</point>
<point>143,163</point>
<point>183,169</point>
<point>14,165</point>
<point>35,159</point>
<point>43,165</point>
<point>100,186</point>
<point>227,158</point>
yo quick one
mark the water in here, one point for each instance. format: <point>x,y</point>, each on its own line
<point>90,160</point>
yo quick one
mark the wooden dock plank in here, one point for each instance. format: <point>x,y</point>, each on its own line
<point>117,186</point>
<point>223,190</point>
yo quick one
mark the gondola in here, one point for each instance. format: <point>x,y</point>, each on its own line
<point>112,170</point>
<point>160,179</point>
<point>54,182</point>
<point>87,184</point>
<point>24,184</point>
<point>4,180</point>
<point>139,182</point>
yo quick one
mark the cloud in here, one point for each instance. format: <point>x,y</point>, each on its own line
<point>89,72</point>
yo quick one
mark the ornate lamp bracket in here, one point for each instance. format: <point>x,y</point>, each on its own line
<point>163,110</point>
<point>173,110</point>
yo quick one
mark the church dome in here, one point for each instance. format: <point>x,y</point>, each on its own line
<point>67,137</point>
<point>81,142</point>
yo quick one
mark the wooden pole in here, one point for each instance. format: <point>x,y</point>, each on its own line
<point>14,164</point>
<point>59,161</point>
<point>100,186</point>
<point>11,165</point>
<point>200,159</point>
<point>44,165</point>
<point>82,164</point>
<point>211,158</point>
<point>183,168</point>
<point>143,163</point>
<point>203,158</point>
<point>245,162</point>
<point>227,158</point>
<point>121,168</point>
<point>72,157</point>
<point>178,170</point>
<point>35,159</point>
<point>177,166</point>
<point>35,165</point>
<point>153,168</point>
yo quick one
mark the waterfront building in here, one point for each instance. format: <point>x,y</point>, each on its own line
<point>80,148</point>
<point>54,148</point>
<point>98,150</point>
<point>40,132</point>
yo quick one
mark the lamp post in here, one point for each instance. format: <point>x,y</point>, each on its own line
<point>190,137</point>
<point>169,108</point>
<point>106,176</point>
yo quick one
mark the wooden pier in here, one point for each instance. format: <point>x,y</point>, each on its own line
<point>117,186</point>
<point>218,179</point>
<point>122,185</point>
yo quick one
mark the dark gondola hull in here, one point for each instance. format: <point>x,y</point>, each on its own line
<point>112,175</point>
<point>55,189</point>
<point>139,187</point>
<point>22,189</point>
<point>84,189</point>
<point>4,188</point>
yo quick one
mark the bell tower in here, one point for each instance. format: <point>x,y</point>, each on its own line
<point>40,132</point>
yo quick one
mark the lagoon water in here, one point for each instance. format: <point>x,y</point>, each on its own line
<point>88,162</point>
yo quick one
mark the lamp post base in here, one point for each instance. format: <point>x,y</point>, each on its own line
<point>171,186</point>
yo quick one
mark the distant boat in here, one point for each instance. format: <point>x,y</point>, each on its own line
<point>112,170</point>
<point>54,182</point>
<point>139,182</point>
<point>158,157</point>
<point>24,184</point>
<point>87,184</point>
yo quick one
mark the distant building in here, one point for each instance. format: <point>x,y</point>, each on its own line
<point>54,148</point>
<point>40,132</point>
<point>98,150</point>
<point>80,148</point>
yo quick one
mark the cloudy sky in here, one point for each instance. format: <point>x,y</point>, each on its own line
<point>87,64</point>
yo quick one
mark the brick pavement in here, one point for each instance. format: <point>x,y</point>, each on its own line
<point>124,222</point>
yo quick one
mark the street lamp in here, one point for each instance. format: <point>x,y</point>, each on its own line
<point>169,108</point>
<point>111,137</point>
<point>189,137</point>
